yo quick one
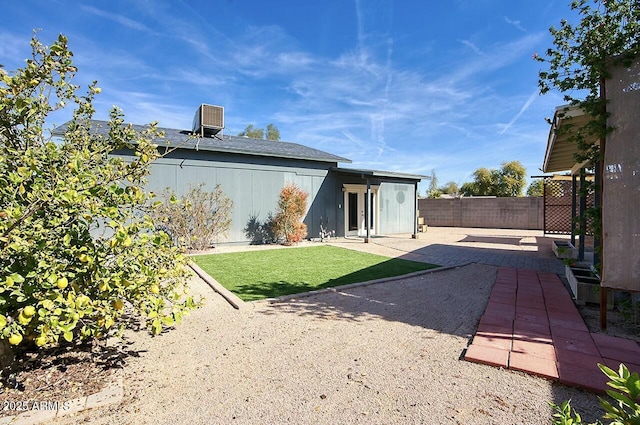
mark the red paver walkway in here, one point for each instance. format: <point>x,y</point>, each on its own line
<point>532,325</point>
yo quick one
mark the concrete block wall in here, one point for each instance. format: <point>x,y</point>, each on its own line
<point>493,213</point>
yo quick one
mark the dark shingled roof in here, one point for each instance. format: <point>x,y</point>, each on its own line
<point>377,173</point>
<point>228,144</point>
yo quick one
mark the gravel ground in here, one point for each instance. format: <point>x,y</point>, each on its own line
<point>387,353</point>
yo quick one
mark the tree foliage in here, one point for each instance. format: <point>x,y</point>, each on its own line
<point>252,132</point>
<point>433,191</point>
<point>76,246</point>
<point>509,180</point>
<point>258,133</point>
<point>450,188</point>
<point>197,219</point>
<point>608,33</point>
<point>292,206</point>
<point>536,188</point>
<point>273,133</point>
<point>623,408</point>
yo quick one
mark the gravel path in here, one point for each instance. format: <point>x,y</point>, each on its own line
<point>380,354</point>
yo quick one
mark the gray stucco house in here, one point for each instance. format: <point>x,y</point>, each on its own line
<point>252,172</point>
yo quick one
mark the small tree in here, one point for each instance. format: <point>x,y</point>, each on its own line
<point>272,132</point>
<point>195,220</point>
<point>292,206</point>
<point>536,188</point>
<point>76,246</point>
<point>509,180</point>
<point>450,188</point>
<point>252,132</point>
<point>433,191</point>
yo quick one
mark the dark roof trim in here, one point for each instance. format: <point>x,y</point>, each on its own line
<point>379,174</point>
<point>228,144</point>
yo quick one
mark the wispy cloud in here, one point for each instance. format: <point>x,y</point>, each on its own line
<point>472,46</point>
<point>120,19</point>
<point>524,107</point>
<point>370,99</point>
<point>515,23</point>
<point>11,45</point>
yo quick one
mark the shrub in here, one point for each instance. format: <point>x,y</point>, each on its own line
<point>625,409</point>
<point>76,248</point>
<point>197,219</point>
<point>292,206</point>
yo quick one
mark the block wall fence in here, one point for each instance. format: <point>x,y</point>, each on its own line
<point>494,213</point>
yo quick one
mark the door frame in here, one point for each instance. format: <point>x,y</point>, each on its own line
<point>361,191</point>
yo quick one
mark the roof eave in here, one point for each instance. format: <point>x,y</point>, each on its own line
<point>560,153</point>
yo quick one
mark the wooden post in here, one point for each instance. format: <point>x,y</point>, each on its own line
<point>574,189</point>
<point>583,206</point>
<point>415,213</point>
<point>599,246</point>
<point>367,212</point>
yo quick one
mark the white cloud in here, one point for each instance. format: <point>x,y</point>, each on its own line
<point>515,23</point>
<point>120,19</point>
<point>472,46</point>
<point>526,105</point>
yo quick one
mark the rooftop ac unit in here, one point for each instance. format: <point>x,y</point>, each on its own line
<point>209,120</point>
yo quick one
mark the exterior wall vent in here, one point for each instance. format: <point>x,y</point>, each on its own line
<point>209,120</point>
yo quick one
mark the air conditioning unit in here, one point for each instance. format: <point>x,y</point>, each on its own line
<point>209,120</point>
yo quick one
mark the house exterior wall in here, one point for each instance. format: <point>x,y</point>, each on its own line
<point>397,207</point>
<point>254,184</point>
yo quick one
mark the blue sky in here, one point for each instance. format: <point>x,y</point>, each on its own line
<point>409,86</point>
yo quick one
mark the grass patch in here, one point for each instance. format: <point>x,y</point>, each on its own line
<point>255,275</point>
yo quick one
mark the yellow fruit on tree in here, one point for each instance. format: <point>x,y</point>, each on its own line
<point>41,340</point>
<point>155,289</point>
<point>22,319</point>
<point>81,301</point>
<point>29,311</point>
<point>62,282</point>
<point>15,339</point>
<point>118,304</point>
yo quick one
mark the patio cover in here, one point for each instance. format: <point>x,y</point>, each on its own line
<point>561,152</point>
<point>621,182</point>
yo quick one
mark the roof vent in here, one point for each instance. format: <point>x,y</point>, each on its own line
<point>209,120</point>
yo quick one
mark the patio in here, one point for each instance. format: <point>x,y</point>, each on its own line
<point>531,324</point>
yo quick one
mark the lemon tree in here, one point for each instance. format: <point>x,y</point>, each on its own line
<point>80,257</point>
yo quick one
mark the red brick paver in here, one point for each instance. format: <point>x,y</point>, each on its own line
<point>532,325</point>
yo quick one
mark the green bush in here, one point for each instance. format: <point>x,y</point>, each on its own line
<point>624,410</point>
<point>77,246</point>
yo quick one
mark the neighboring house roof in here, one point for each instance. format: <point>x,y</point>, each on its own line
<point>561,152</point>
<point>229,144</point>
<point>375,173</point>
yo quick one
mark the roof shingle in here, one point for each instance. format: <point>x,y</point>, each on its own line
<point>228,144</point>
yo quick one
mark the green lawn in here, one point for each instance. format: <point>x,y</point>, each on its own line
<point>256,275</point>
